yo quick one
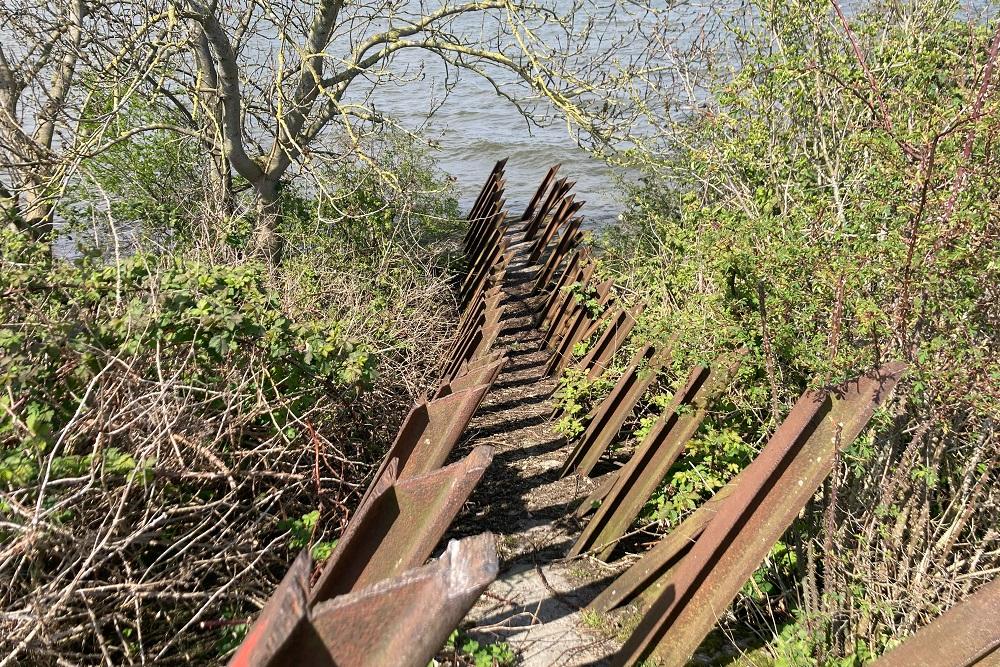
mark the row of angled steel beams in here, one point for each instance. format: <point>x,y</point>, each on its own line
<point>377,601</point>
<point>685,583</point>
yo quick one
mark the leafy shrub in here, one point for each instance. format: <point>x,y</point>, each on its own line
<point>174,428</point>
<point>832,220</point>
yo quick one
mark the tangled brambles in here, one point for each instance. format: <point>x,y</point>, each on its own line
<point>173,431</point>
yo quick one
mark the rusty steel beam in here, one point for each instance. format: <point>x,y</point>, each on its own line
<point>567,273</point>
<point>286,611</point>
<point>557,299</point>
<point>555,193</point>
<point>967,635</point>
<point>487,301</point>
<point>647,577</point>
<point>485,203</point>
<point>479,347</point>
<point>478,343</point>
<point>585,327</point>
<point>559,190</point>
<point>402,621</point>
<point>491,220</point>
<point>565,308</point>
<point>543,187</point>
<point>774,489</point>
<point>498,260</point>
<point>610,341</point>
<point>568,308</point>
<point>567,243</point>
<point>607,418</point>
<point>488,263</point>
<point>565,213</point>
<point>480,262</point>
<point>485,360</point>
<point>479,254</point>
<point>492,191</point>
<point>494,280</point>
<point>466,378</point>
<point>558,215</point>
<point>573,332</point>
<point>406,620</point>
<point>570,237</point>
<point>480,362</point>
<point>492,223</point>
<point>637,480</point>
<point>464,340</point>
<point>602,484</point>
<point>399,526</point>
<point>428,434</point>
<point>472,318</point>
<point>496,172</point>
<point>485,218</point>
<point>472,340</point>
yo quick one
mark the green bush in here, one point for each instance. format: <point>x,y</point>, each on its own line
<point>176,425</point>
<point>831,222</point>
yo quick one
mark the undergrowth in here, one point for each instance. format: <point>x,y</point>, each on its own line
<point>831,221</point>
<point>178,421</point>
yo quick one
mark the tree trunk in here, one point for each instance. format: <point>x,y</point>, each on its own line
<point>221,197</point>
<point>267,242</point>
<point>37,214</point>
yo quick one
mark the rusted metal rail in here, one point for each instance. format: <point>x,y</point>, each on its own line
<point>403,620</point>
<point>771,491</point>
<point>636,481</point>
<point>607,418</point>
<point>375,602</point>
<point>576,326</point>
<point>543,187</point>
<point>621,321</point>
<point>399,526</point>
<point>578,272</point>
<point>555,195</point>
<point>428,434</point>
<point>967,635</point>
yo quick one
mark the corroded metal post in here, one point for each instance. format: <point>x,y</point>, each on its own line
<point>399,526</point>
<point>967,635</point>
<point>636,481</point>
<point>771,492</point>
<point>607,418</point>
<point>402,621</point>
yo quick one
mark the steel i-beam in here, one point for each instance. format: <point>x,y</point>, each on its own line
<point>399,526</point>
<point>772,491</point>
<point>636,481</point>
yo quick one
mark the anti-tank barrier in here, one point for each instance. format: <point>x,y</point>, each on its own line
<point>377,597</point>
<point>375,601</point>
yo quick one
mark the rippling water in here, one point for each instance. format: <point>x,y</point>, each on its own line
<point>475,127</point>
